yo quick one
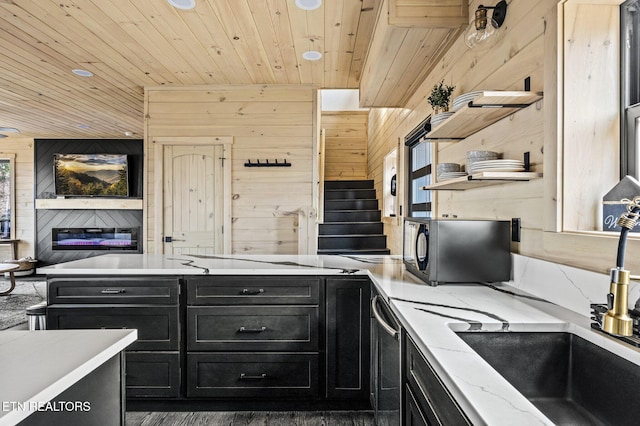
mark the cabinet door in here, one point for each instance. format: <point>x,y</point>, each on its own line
<point>252,328</point>
<point>347,338</point>
<point>428,390</point>
<point>252,375</point>
<point>152,374</point>
<point>157,326</point>
<point>253,290</point>
<point>113,290</point>
<point>413,415</point>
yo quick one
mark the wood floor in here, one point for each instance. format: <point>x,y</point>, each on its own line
<point>251,418</point>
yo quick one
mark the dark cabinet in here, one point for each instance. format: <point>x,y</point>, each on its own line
<point>229,336</point>
<point>252,375</point>
<point>426,397</point>
<point>149,304</point>
<point>347,338</point>
<point>254,328</point>
<point>253,336</point>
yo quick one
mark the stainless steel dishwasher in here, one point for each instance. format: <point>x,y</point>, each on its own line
<point>385,362</point>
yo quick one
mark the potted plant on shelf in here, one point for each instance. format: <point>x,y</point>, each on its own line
<point>440,97</point>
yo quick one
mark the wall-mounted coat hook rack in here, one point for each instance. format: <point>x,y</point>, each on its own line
<point>267,164</point>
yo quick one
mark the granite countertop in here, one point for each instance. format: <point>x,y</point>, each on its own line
<point>39,365</point>
<point>431,315</point>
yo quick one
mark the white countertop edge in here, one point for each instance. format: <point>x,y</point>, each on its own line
<point>194,272</point>
<point>69,379</point>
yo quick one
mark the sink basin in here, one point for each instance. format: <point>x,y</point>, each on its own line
<point>572,381</point>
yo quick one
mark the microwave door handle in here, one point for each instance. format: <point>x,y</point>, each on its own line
<point>386,327</point>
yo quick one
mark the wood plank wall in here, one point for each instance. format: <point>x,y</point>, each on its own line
<point>519,53</point>
<point>266,122</point>
<point>23,150</point>
<point>345,144</point>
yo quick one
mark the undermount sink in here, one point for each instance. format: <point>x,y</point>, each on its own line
<point>572,381</point>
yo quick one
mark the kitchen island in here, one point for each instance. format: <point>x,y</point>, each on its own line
<point>431,316</point>
<point>62,377</point>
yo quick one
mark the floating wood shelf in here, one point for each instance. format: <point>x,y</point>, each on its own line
<point>89,204</point>
<point>482,179</point>
<point>483,111</point>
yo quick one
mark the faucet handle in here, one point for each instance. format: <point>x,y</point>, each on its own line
<point>610,298</point>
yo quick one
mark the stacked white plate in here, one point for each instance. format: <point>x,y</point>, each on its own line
<point>464,99</point>
<point>450,175</point>
<point>439,118</point>
<point>497,166</point>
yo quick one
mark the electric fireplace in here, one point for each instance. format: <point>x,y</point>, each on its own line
<point>122,239</point>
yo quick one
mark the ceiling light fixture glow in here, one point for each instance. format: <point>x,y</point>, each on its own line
<point>312,55</point>
<point>308,4</point>
<point>9,130</point>
<point>183,4</point>
<point>82,73</point>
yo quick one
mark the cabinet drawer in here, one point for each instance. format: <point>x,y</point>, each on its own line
<point>114,290</point>
<point>152,374</point>
<point>268,375</point>
<point>157,326</point>
<point>245,290</point>
<point>249,328</point>
<point>429,392</point>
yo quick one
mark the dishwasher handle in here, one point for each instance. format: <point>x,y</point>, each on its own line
<point>389,329</point>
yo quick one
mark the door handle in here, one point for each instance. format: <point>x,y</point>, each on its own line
<point>246,291</point>
<point>244,376</point>
<point>113,291</point>
<point>244,329</point>
<point>386,327</point>
<point>171,239</point>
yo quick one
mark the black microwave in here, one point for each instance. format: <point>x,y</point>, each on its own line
<point>442,251</point>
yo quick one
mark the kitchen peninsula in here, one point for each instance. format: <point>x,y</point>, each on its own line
<point>431,317</point>
<point>62,377</point>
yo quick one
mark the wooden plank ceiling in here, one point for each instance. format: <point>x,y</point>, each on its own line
<point>130,44</point>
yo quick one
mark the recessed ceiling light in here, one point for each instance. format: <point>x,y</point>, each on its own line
<point>84,126</point>
<point>308,4</point>
<point>312,55</point>
<point>183,4</point>
<point>9,130</point>
<point>82,73</point>
<point>128,133</point>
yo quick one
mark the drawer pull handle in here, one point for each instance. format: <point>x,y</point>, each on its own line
<point>246,291</point>
<point>113,291</point>
<point>244,329</point>
<point>244,376</point>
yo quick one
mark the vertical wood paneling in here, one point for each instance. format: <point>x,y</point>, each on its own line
<point>265,122</point>
<point>345,156</point>
<point>23,226</point>
<point>519,53</point>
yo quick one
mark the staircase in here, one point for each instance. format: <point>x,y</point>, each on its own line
<point>351,219</point>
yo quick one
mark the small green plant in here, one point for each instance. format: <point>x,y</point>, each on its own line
<point>440,95</point>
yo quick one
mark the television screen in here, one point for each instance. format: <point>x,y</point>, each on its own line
<point>102,175</point>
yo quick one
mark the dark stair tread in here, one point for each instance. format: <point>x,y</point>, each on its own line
<point>357,184</point>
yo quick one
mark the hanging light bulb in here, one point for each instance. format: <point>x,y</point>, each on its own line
<point>483,27</point>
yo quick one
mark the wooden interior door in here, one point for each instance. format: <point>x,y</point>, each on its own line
<point>193,199</point>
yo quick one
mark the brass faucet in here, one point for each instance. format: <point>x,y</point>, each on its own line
<point>616,320</point>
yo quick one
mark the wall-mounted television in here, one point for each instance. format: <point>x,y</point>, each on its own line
<point>91,175</point>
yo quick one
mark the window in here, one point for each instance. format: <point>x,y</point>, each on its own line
<point>419,176</point>
<point>6,197</point>
<point>419,170</point>
<point>630,86</point>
